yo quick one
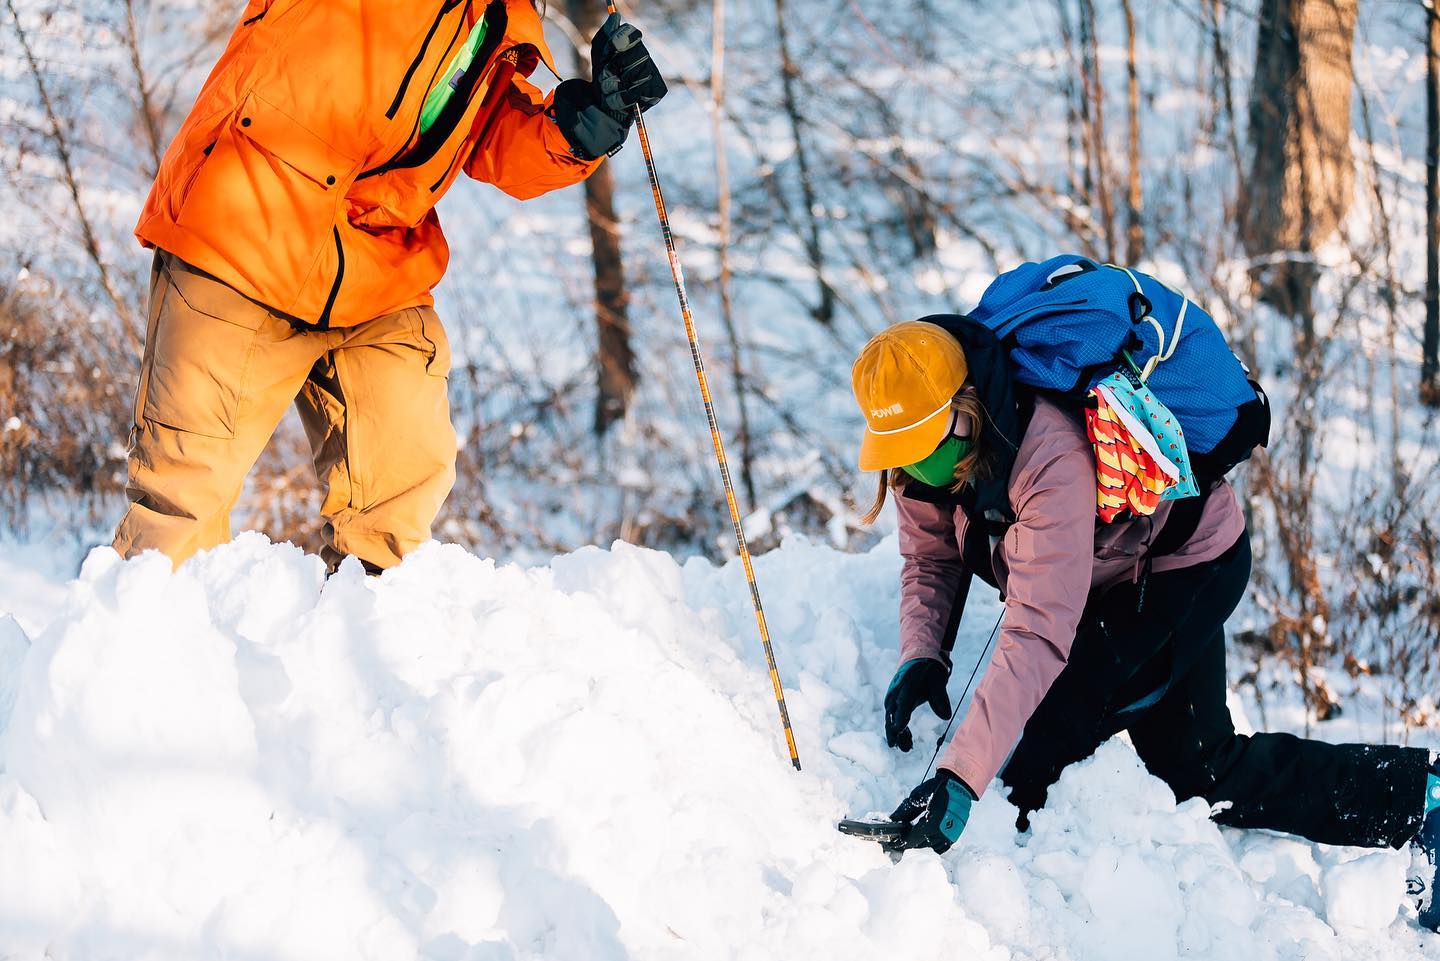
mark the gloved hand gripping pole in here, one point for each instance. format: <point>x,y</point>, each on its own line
<point>678,275</point>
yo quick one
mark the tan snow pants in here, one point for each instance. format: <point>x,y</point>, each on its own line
<point>218,373</point>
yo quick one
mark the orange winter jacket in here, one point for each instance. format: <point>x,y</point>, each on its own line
<point>301,177</point>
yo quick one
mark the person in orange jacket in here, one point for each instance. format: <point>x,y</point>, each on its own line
<point>293,219</point>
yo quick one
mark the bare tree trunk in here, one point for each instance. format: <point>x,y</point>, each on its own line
<point>1295,198</point>
<point>1072,98</point>
<point>1430,348</point>
<point>1301,175</point>
<point>1094,109</point>
<point>1134,234</point>
<point>150,120</point>
<point>825,310</point>
<point>722,208</point>
<point>615,356</point>
<point>72,183</point>
<point>1221,50</point>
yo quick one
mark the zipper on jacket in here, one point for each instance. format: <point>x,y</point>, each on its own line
<point>449,167</point>
<point>405,145</point>
<point>257,17</point>
<point>324,322</point>
<point>499,77</point>
<point>430,142</point>
<point>445,8</point>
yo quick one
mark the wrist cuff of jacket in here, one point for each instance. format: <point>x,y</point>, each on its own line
<point>946,772</point>
<point>591,130</point>
<point>915,662</point>
<point>902,670</point>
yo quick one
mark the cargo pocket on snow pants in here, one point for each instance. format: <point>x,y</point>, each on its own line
<point>203,341</point>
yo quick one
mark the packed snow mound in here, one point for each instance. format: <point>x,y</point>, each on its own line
<point>460,760</point>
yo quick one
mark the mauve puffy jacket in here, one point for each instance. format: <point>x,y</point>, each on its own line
<point>1048,563</point>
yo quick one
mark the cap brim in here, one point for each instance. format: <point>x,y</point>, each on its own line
<point>881,451</point>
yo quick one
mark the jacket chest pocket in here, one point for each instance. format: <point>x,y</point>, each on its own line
<point>290,143</point>
<point>267,172</point>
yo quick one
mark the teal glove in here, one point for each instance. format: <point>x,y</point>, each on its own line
<point>936,812</point>
<point>916,682</point>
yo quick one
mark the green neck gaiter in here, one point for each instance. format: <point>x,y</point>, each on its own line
<point>938,470</point>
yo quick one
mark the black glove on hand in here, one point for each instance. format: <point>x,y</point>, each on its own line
<point>624,75</point>
<point>917,681</point>
<point>936,812</point>
<point>596,116</point>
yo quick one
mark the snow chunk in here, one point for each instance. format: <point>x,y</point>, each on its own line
<point>459,760</point>
<point>1365,892</point>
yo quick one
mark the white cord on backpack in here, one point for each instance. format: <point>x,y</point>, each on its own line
<point>1162,353</point>
<point>1160,358</point>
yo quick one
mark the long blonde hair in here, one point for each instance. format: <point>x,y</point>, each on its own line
<point>973,466</point>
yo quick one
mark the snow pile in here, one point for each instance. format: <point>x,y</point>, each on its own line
<point>461,761</point>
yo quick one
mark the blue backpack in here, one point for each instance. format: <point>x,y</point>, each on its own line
<point>1068,322</point>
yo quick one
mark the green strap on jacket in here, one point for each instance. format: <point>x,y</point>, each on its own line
<point>441,93</point>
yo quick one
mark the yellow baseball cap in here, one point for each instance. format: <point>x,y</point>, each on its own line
<point>904,380</point>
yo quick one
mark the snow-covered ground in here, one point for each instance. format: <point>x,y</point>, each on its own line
<point>466,760</point>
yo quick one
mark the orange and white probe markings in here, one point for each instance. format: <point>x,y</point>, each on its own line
<point>677,274</point>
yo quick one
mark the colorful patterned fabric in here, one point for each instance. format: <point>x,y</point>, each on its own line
<point>1140,456</point>
<point>1152,422</point>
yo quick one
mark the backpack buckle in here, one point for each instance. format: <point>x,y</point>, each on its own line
<point>1145,307</point>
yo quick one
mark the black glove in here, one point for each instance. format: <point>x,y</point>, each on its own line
<point>624,75</point>
<point>936,812</point>
<point>922,679</point>
<point>595,116</point>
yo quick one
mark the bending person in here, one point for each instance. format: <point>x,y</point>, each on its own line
<point>296,239</point>
<point>1107,627</point>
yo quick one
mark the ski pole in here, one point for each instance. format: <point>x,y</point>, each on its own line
<point>677,274</point>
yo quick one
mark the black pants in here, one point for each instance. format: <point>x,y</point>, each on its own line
<point>1159,673</point>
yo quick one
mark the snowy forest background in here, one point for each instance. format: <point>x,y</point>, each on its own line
<point>833,166</point>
